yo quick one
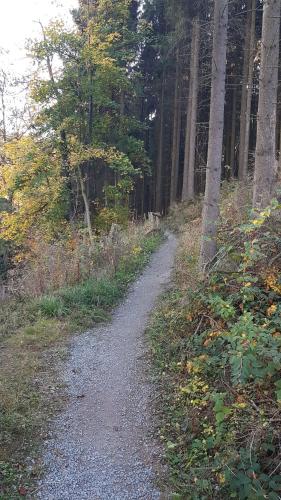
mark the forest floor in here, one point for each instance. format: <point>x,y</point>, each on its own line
<point>102,445</point>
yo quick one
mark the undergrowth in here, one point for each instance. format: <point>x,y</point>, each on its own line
<point>217,349</point>
<point>33,334</point>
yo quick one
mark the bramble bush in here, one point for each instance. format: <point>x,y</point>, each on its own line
<point>218,351</point>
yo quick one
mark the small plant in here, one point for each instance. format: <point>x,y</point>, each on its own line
<point>51,307</point>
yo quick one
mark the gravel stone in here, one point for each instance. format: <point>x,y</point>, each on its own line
<point>101,446</point>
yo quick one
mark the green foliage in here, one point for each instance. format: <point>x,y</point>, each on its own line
<point>31,178</point>
<point>219,352</point>
<point>97,294</point>
<point>51,307</point>
<point>109,216</point>
<point>8,479</point>
<point>220,307</point>
<point>85,126</point>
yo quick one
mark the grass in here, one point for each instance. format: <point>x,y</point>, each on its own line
<point>33,336</point>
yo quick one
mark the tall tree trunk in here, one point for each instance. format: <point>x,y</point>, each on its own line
<point>90,119</point>
<point>194,109</point>
<point>3,104</point>
<point>186,146</point>
<point>158,187</point>
<point>184,195</point>
<point>175,147</point>
<point>212,191</point>
<point>267,109</point>
<point>233,129</point>
<point>244,90</point>
<point>248,90</point>
<point>279,162</point>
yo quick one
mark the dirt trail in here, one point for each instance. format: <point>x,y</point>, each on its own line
<point>101,446</point>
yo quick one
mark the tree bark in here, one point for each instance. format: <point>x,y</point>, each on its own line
<point>184,195</point>
<point>233,129</point>
<point>248,90</point>
<point>175,147</point>
<point>3,104</point>
<point>86,206</point>
<point>194,109</point>
<point>212,191</point>
<point>158,188</point>
<point>267,108</point>
<point>244,90</point>
<point>279,162</point>
<point>186,146</point>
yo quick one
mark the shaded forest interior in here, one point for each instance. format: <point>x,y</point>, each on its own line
<point>142,109</point>
<point>122,111</point>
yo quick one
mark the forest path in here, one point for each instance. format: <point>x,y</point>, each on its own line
<point>101,446</point>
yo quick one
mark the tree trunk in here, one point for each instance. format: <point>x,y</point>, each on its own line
<point>86,206</point>
<point>194,109</point>
<point>158,188</point>
<point>244,91</point>
<point>233,129</point>
<point>184,195</point>
<point>267,109</point>
<point>175,148</point>
<point>212,191</point>
<point>250,56</point>
<point>3,104</point>
<point>187,144</point>
<point>279,162</point>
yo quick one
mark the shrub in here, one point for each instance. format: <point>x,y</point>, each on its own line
<point>219,354</point>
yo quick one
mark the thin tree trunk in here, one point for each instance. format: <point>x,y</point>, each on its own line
<point>233,129</point>
<point>178,142</point>
<point>227,139</point>
<point>175,147</point>
<point>158,190</point>
<point>194,109</point>
<point>244,92</point>
<point>184,195</point>
<point>86,206</point>
<point>245,153</point>
<point>279,162</point>
<point>65,170</point>
<point>3,105</point>
<point>89,132</point>
<point>267,109</point>
<point>212,192</point>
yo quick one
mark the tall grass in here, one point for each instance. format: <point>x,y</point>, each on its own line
<point>34,329</point>
<point>48,266</point>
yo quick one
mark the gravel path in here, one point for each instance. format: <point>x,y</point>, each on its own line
<point>101,446</point>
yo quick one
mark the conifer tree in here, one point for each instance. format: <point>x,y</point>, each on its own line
<point>212,192</point>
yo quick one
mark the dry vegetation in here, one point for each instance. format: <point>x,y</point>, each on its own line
<point>52,300</point>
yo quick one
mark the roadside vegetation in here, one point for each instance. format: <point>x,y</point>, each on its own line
<point>34,333</point>
<point>135,107</point>
<point>216,345</point>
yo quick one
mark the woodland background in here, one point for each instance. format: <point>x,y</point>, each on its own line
<point>117,120</point>
<point>166,107</point>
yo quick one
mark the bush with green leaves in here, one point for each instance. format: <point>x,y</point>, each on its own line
<point>219,352</point>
